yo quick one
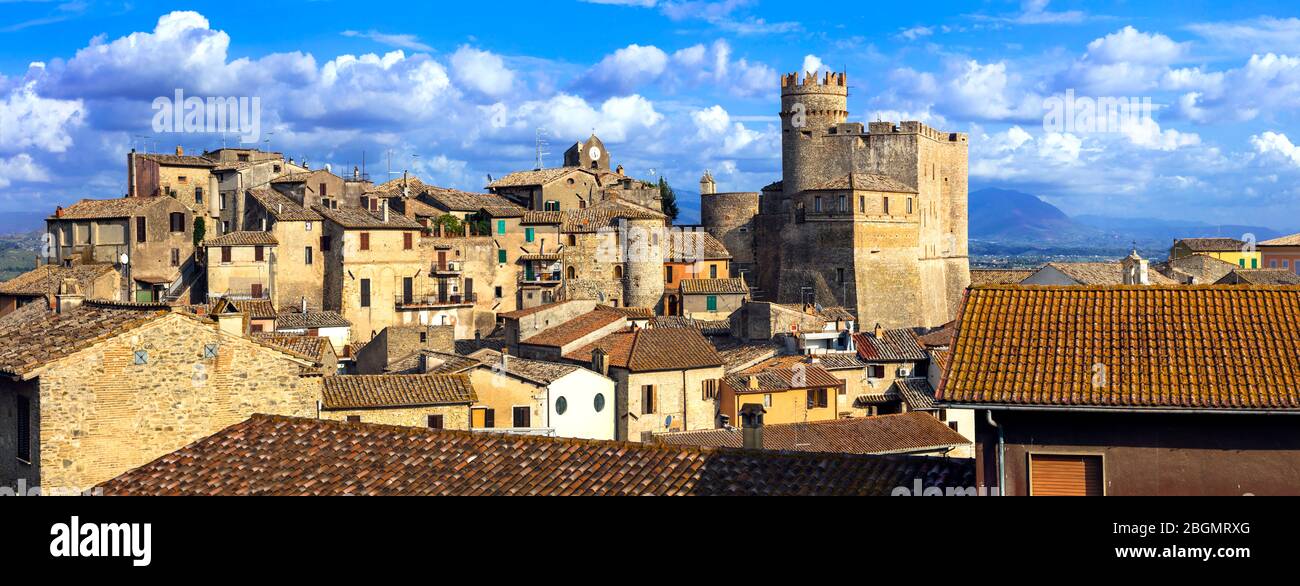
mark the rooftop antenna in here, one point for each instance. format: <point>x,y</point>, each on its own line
<point>541,144</point>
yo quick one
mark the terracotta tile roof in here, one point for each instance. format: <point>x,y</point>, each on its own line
<point>1291,240</point>
<point>463,201</point>
<point>359,219</point>
<point>28,313</point>
<point>292,320</point>
<point>1103,273</point>
<point>916,392</point>
<point>531,310</point>
<point>1187,347</point>
<point>45,280</point>
<point>734,286</point>
<point>1260,277</point>
<point>942,357</point>
<point>445,363</point>
<point>547,217</point>
<point>737,355</point>
<point>781,379</point>
<point>368,391</point>
<point>243,239</point>
<point>1202,268</point>
<point>605,214</point>
<point>313,347</point>
<point>574,329</point>
<point>1212,244</point>
<point>841,361</point>
<point>272,455</point>
<point>999,276</point>
<point>255,308</point>
<point>122,207</point>
<point>298,177</point>
<point>178,160</point>
<point>393,187</point>
<point>708,327</point>
<point>892,346</point>
<point>629,312</point>
<point>33,343</point>
<point>536,371</point>
<point>939,337</point>
<point>887,434</point>
<point>534,177</point>
<point>689,247</point>
<point>864,182</point>
<point>649,350</point>
<point>282,208</point>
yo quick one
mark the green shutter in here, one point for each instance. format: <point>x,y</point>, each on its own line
<point>1242,262</point>
<point>1254,263</point>
<point>501,226</point>
<point>528,234</point>
<point>712,303</point>
<point>501,256</point>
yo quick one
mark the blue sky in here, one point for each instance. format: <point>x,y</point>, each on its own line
<point>456,91</point>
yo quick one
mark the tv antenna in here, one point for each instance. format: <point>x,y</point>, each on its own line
<point>541,144</point>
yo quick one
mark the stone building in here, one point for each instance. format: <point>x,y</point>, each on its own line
<point>40,285</point>
<point>237,172</point>
<point>154,235</point>
<point>240,266</point>
<point>435,401</point>
<point>315,187</point>
<point>372,268</point>
<point>297,263</point>
<point>187,178</point>
<point>557,399</point>
<point>97,388</point>
<point>729,217</point>
<point>874,218</point>
<point>691,255</point>
<point>584,180</point>
<point>665,379</point>
<point>399,343</point>
<point>790,393</point>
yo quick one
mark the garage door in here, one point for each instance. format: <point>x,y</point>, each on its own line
<point>1058,475</point>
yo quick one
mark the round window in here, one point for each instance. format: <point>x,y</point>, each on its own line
<point>600,402</point>
<point>561,405</point>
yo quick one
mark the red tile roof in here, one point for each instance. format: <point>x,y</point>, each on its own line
<point>891,346</point>
<point>395,390</point>
<point>574,329</point>
<point>272,455</point>
<point>887,434</point>
<point>1227,348</point>
<point>647,350</point>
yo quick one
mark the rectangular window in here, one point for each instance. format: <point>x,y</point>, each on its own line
<point>711,303</point>
<point>324,190</point>
<point>886,204</point>
<point>489,418</point>
<point>713,271</point>
<point>354,419</point>
<point>709,389</point>
<point>259,253</point>
<point>839,275</point>
<point>842,204</point>
<point>1254,263</point>
<point>408,294</point>
<point>365,292</point>
<point>1242,263</point>
<point>225,254</point>
<point>140,224</point>
<point>862,203</point>
<point>435,422</point>
<point>668,274</point>
<point>256,290</point>
<point>817,204</point>
<point>876,371</point>
<point>647,399</point>
<point>528,234</point>
<point>307,255</point>
<point>198,195</point>
<point>408,241</point>
<point>24,431</point>
<point>1062,475</point>
<point>501,226</point>
<point>177,222</point>
<point>223,202</point>
<point>501,256</point>
<point>176,257</point>
<point>365,241</point>
<point>497,293</point>
<point>767,400</point>
<point>909,205</point>
<point>522,417</point>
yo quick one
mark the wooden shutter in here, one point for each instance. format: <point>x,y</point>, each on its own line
<point>365,292</point>
<point>365,241</point>
<point>407,239</point>
<point>489,418</point>
<point>1062,475</point>
<point>225,254</point>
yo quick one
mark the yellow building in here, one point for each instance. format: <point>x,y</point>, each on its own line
<point>436,401</point>
<point>239,265</point>
<point>1229,250</point>
<point>796,393</point>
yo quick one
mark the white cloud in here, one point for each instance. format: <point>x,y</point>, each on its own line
<point>1274,144</point>
<point>1129,45</point>
<point>21,167</point>
<point>482,71</point>
<point>1260,35</point>
<point>29,121</point>
<point>813,64</point>
<point>400,40</point>
<point>915,33</point>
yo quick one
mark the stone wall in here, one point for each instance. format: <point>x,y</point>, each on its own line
<point>455,417</point>
<point>101,414</point>
<point>679,395</point>
<point>729,217</point>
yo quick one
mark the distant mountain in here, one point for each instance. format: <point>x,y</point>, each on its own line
<point>1166,231</point>
<point>1014,216</point>
<point>22,222</point>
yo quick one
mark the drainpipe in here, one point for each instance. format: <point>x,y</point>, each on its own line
<point>1002,454</point>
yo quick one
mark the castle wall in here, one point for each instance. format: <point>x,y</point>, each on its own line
<point>729,217</point>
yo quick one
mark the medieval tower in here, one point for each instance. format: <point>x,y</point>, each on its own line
<point>870,219</point>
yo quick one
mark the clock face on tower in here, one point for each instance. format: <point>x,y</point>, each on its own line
<point>594,153</point>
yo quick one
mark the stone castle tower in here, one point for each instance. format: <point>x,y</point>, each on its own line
<point>873,219</point>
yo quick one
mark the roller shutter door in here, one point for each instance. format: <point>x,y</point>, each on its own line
<point>1059,475</point>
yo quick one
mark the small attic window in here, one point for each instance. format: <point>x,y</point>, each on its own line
<point>141,357</point>
<point>210,351</point>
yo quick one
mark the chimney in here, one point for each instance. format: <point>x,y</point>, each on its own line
<point>356,173</point>
<point>304,305</point>
<point>1136,269</point>
<point>505,359</point>
<point>753,382</point>
<point>69,296</point>
<point>619,170</point>
<point>58,211</point>
<point>751,426</point>
<point>880,331</point>
<point>600,361</point>
<point>383,205</point>
<point>180,151</point>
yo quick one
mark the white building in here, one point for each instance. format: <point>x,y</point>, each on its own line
<point>562,400</point>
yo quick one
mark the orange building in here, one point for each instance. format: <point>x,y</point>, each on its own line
<point>691,256</point>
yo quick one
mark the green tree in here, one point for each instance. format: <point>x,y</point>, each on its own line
<point>451,225</point>
<point>200,231</point>
<point>668,200</point>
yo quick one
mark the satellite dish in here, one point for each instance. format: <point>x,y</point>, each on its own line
<point>124,259</point>
<point>668,421</point>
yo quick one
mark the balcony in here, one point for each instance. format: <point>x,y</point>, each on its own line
<point>434,301</point>
<point>544,280</point>
<point>449,268</point>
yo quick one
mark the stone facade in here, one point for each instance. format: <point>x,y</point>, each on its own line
<point>383,266</point>
<point>397,342</point>
<point>98,413</point>
<point>681,404</point>
<point>872,219</point>
<point>730,218</point>
<point>454,417</point>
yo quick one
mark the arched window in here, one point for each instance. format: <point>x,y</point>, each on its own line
<point>572,273</point>
<point>618,271</point>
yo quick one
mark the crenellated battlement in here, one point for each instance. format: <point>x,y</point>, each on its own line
<point>915,127</point>
<point>831,82</point>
